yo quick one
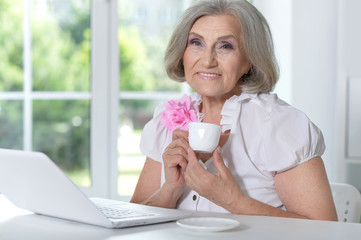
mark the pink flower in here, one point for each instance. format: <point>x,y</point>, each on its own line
<point>177,115</point>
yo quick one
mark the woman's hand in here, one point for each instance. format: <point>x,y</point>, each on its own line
<point>220,188</point>
<point>175,160</point>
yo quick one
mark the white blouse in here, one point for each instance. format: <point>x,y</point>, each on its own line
<point>267,136</point>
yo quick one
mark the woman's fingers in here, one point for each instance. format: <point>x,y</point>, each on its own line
<point>218,187</point>
<point>177,148</point>
<point>178,133</point>
<point>218,160</point>
<point>196,176</point>
<point>191,155</point>
<point>175,159</point>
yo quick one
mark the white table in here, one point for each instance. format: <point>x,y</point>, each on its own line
<point>16,224</point>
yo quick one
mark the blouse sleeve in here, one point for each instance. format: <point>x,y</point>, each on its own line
<point>289,139</point>
<point>154,136</point>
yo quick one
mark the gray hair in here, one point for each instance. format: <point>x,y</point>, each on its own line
<point>257,40</point>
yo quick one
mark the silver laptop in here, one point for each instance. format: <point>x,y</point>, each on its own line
<point>30,180</point>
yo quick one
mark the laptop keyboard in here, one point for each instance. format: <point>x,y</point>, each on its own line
<point>116,212</point>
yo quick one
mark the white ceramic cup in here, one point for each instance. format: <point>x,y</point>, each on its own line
<point>204,137</point>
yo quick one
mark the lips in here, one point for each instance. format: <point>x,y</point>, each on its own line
<point>208,75</point>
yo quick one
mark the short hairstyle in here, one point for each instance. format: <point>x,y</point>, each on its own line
<point>257,40</point>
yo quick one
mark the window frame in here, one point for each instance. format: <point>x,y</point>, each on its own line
<point>104,96</point>
<point>104,104</point>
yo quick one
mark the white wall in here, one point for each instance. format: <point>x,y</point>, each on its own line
<point>315,68</point>
<point>349,92</point>
<point>305,36</point>
<point>281,28</point>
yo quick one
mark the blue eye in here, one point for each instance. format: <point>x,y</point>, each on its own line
<point>227,46</point>
<point>195,42</point>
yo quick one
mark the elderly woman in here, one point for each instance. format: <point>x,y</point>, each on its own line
<point>269,157</point>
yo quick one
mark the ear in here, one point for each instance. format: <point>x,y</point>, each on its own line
<point>248,74</point>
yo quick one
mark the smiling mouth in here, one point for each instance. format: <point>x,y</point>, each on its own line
<point>209,75</point>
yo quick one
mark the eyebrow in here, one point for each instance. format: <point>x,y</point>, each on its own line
<point>220,38</point>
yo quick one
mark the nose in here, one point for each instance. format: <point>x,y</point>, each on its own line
<point>209,58</point>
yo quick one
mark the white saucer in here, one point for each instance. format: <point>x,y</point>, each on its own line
<point>208,224</point>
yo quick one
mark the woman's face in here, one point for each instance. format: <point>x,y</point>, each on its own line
<point>214,59</point>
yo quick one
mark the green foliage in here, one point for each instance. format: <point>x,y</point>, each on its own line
<point>59,62</point>
<point>11,42</point>
<point>155,51</point>
<point>79,21</point>
<point>60,54</point>
<point>135,67</point>
<point>62,130</point>
<point>11,125</point>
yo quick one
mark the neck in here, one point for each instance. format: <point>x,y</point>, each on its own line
<point>212,105</point>
<point>211,110</point>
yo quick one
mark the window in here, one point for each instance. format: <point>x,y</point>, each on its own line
<point>45,81</point>
<point>143,82</point>
<point>78,81</point>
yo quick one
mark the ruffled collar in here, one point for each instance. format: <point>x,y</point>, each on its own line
<point>243,97</point>
<point>230,108</point>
